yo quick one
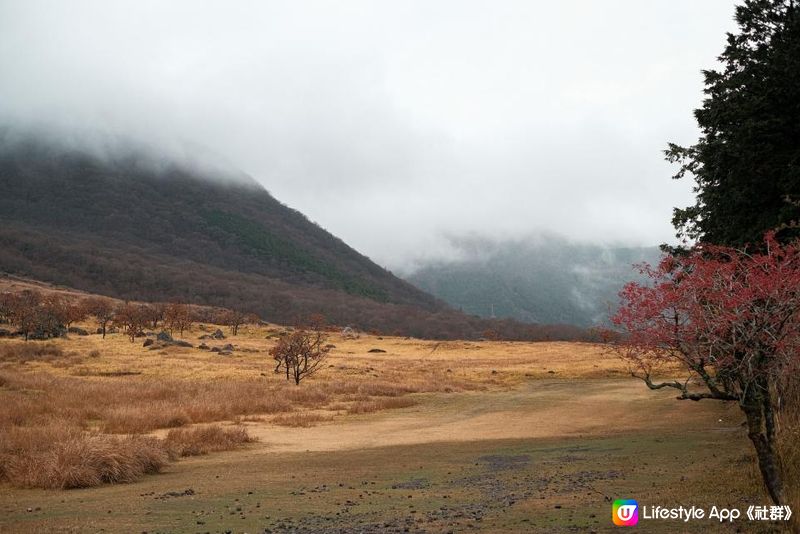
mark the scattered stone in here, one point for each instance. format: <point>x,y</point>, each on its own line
<point>169,494</point>
<point>148,342</point>
<point>218,334</point>
<point>77,330</point>
<point>165,337</point>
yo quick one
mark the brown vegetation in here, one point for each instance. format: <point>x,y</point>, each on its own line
<point>203,440</point>
<point>63,457</point>
<point>301,353</point>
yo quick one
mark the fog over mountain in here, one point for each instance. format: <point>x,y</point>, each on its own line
<point>545,278</point>
<point>391,124</point>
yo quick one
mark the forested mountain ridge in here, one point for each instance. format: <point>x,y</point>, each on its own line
<point>145,230</point>
<point>545,280</point>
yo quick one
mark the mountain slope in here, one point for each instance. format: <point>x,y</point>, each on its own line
<point>547,280</point>
<point>135,227</point>
<point>141,229</point>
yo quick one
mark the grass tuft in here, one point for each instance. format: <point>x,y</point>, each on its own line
<point>203,440</point>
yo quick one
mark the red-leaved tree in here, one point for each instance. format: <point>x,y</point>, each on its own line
<point>727,322</point>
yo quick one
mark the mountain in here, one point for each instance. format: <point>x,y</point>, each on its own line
<point>546,280</point>
<point>130,225</point>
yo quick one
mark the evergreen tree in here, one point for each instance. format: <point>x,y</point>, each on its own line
<point>746,164</point>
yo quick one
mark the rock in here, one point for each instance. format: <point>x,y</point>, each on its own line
<point>202,346</point>
<point>181,343</point>
<point>164,336</point>
<point>228,347</point>
<point>148,342</point>
<point>376,350</point>
<point>6,333</point>
<point>218,334</point>
<point>112,330</point>
<point>215,349</point>
<point>77,330</point>
<point>224,353</point>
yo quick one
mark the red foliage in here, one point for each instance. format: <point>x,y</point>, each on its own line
<point>717,310</point>
<point>729,318</point>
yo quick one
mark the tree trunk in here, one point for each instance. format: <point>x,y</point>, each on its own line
<point>765,450</point>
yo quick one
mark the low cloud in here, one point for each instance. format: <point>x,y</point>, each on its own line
<point>393,125</point>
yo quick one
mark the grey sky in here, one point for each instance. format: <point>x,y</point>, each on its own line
<point>393,124</point>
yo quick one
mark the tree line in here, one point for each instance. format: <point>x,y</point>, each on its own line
<point>37,315</point>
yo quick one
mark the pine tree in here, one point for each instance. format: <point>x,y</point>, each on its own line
<point>746,164</point>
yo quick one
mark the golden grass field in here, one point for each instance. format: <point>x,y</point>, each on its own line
<point>424,437</point>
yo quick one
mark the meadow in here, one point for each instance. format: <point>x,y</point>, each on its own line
<point>392,434</point>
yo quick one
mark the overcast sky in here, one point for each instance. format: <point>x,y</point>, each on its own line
<point>395,125</point>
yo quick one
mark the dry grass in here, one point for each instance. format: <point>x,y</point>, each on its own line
<point>369,406</point>
<point>60,422</point>
<point>301,419</point>
<point>203,440</point>
<point>24,352</point>
<point>60,457</point>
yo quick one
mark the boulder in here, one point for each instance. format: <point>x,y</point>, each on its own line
<point>165,337</point>
<point>218,334</point>
<point>78,331</point>
<point>148,342</point>
<point>376,350</point>
<point>202,346</point>
<point>228,347</point>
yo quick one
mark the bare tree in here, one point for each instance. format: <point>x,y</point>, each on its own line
<point>177,317</point>
<point>25,311</point>
<point>233,319</point>
<point>103,311</point>
<point>154,313</point>
<point>300,353</point>
<point>132,319</point>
